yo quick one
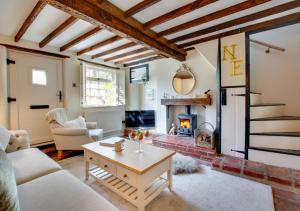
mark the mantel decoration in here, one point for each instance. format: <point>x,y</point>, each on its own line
<point>183,80</point>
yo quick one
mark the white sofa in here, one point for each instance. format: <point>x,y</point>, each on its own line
<point>42,185</point>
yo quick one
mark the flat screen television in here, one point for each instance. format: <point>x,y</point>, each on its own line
<point>140,119</point>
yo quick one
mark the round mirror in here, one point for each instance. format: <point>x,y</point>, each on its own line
<point>183,81</point>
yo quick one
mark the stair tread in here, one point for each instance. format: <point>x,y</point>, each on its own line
<point>282,151</point>
<point>293,134</point>
<point>267,104</point>
<point>277,118</point>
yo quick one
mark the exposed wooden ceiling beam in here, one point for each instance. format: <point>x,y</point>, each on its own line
<point>60,29</point>
<point>80,38</point>
<point>100,44</point>
<point>140,6</point>
<point>286,20</point>
<point>111,17</point>
<point>213,16</point>
<point>29,20</point>
<point>99,64</point>
<point>177,12</point>
<point>241,20</point>
<point>143,61</point>
<point>140,50</point>
<point>136,57</point>
<point>122,47</point>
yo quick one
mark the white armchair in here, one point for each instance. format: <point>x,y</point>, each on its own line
<point>71,138</point>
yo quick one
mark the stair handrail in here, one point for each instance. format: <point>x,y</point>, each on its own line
<point>268,45</point>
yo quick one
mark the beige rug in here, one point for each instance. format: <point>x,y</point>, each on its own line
<point>205,190</point>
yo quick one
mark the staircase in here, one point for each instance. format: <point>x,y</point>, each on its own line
<point>274,138</point>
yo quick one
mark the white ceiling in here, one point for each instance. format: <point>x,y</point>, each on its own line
<point>14,12</point>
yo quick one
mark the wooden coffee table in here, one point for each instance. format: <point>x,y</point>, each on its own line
<point>137,177</point>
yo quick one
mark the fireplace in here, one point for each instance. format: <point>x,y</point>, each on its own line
<point>187,122</point>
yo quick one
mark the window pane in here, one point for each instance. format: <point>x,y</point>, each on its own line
<point>39,77</point>
<point>100,87</point>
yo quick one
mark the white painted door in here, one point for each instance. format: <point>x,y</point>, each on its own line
<point>233,122</point>
<point>36,82</point>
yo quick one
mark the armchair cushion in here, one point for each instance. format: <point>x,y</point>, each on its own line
<point>19,139</point>
<point>70,131</point>
<point>4,138</point>
<point>75,123</point>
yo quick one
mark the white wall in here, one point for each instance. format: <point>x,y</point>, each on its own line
<point>71,68</point>
<point>161,73</point>
<point>3,88</point>
<point>277,74</point>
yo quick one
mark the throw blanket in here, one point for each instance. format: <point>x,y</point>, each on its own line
<point>58,115</point>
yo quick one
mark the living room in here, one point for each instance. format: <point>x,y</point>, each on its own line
<point>149,105</point>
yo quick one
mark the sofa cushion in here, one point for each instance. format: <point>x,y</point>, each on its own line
<point>75,123</point>
<point>30,164</point>
<point>60,191</point>
<point>8,190</point>
<point>4,138</point>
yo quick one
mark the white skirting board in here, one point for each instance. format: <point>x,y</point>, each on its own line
<point>277,159</point>
<point>275,142</point>
<point>274,126</point>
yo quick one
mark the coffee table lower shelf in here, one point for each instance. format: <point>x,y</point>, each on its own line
<point>126,190</point>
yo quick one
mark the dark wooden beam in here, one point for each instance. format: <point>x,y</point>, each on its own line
<point>189,49</point>
<point>286,20</point>
<point>122,47</point>
<point>140,7</point>
<point>29,20</point>
<point>29,50</point>
<point>213,16</point>
<point>177,12</point>
<point>111,17</point>
<point>241,20</point>
<point>143,61</point>
<point>80,39</point>
<point>100,44</point>
<point>140,50</point>
<point>136,57</point>
<point>60,29</point>
<point>99,64</point>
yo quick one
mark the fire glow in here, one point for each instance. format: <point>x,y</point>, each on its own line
<point>185,123</point>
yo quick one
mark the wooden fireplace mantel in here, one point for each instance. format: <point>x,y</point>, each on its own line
<point>186,101</point>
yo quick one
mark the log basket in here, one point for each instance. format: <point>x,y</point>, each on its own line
<point>204,137</point>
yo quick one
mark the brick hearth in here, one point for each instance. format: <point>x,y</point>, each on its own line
<point>186,146</point>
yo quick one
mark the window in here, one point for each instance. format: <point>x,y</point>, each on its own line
<point>39,77</point>
<point>98,86</point>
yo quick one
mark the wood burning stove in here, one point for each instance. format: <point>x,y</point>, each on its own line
<point>187,122</point>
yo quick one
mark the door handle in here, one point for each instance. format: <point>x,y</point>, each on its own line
<point>60,96</point>
<point>10,99</point>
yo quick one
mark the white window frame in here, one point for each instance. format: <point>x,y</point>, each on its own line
<point>83,101</point>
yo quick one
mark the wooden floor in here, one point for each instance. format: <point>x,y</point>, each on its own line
<point>51,151</point>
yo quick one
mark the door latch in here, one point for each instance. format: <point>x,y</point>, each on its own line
<point>60,96</point>
<point>10,99</point>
